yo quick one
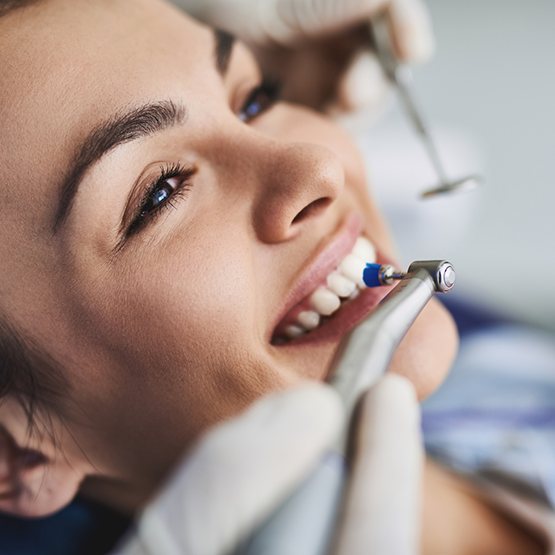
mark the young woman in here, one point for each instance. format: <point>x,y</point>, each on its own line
<point>165,221</point>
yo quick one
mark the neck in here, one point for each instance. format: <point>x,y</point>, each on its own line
<point>457,521</point>
<point>120,496</point>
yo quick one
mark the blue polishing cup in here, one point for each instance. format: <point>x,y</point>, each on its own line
<point>371,275</point>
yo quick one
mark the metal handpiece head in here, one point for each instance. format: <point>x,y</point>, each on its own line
<point>441,272</point>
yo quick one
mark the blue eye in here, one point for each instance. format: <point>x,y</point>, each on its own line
<point>162,194</point>
<point>261,98</point>
<point>170,186</point>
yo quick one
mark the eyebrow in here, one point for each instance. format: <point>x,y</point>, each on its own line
<point>222,50</point>
<point>131,125</point>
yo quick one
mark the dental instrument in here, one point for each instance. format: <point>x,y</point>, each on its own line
<point>304,524</point>
<point>401,76</point>
<point>375,275</point>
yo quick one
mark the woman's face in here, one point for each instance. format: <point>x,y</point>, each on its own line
<point>166,221</point>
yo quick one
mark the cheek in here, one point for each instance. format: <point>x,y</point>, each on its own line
<point>184,325</point>
<point>179,335</point>
<point>427,352</point>
<point>194,302</point>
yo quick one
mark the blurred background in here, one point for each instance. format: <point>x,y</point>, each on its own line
<point>489,97</point>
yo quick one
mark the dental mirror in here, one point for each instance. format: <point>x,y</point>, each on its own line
<point>464,185</point>
<point>401,76</point>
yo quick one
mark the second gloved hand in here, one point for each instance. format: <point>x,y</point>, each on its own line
<point>320,47</point>
<point>242,471</point>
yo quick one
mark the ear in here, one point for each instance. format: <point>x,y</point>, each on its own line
<point>36,479</point>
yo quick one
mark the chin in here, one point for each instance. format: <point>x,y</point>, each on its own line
<point>427,352</point>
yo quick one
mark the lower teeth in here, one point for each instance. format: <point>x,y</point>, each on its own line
<point>294,332</point>
<point>310,320</point>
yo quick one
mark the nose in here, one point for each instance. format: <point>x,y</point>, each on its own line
<point>297,182</point>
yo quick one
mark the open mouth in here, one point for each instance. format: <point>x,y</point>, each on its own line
<point>343,284</point>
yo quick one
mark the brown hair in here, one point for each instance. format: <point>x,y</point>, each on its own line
<point>29,375</point>
<point>7,6</point>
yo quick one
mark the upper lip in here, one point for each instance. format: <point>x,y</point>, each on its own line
<point>322,262</point>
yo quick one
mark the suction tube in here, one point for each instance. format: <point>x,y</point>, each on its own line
<point>304,524</point>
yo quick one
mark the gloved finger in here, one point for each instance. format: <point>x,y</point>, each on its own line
<point>288,20</point>
<point>364,85</point>
<point>411,30</point>
<point>240,472</point>
<point>285,21</point>
<point>282,21</point>
<point>383,502</point>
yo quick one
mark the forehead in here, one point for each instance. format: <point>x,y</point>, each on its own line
<point>66,65</point>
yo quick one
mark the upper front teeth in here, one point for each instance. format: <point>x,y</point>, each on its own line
<point>342,283</point>
<point>364,250</point>
<point>352,267</point>
<point>309,319</point>
<point>325,302</point>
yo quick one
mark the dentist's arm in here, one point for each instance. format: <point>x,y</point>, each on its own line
<point>241,472</point>
<point>320,47</point>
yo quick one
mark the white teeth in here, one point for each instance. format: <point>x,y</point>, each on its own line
<point>364,250</point>
<point>352,268</point>
<point>309,319</point>
<point>293,331</point>
<point>340,285</point>
<point>355,294</point>
<point>344,283</point>
<point>325,301</point>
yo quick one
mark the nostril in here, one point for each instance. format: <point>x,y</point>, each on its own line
<point>312,209</point>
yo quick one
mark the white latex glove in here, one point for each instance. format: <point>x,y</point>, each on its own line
<point>245,468</point>
<point>383,506</point>
<point>289,23</point>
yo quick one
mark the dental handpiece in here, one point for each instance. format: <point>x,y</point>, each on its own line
<point>304,524</point>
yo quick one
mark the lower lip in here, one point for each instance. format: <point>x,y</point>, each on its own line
<point>350,314</point>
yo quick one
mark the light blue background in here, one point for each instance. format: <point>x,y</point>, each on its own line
<point>493,80</point>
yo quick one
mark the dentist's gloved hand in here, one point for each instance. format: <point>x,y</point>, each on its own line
<point>242,470</point>
<point>383,504</point>
<point>320,47</point>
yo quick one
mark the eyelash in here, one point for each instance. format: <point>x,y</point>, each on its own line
<point>179,192</point>
<point>260,99</point>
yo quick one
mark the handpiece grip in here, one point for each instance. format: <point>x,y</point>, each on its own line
<point>305,523</point>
